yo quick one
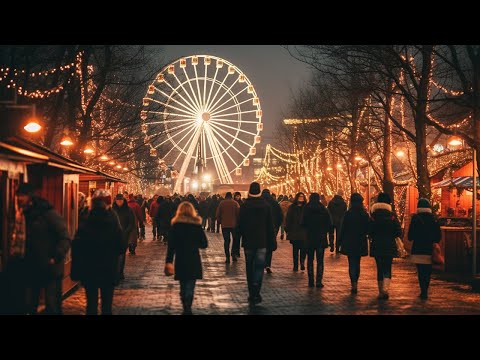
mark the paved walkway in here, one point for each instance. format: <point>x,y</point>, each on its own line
<point>223,291</point>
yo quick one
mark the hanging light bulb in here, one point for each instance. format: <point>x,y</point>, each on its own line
<point>104,157</point>
<point>66,141</point>
<point>32,126</point>
<point>88,150</point>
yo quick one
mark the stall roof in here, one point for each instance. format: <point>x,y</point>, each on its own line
<point>21,149</point>
<point>461,182</point>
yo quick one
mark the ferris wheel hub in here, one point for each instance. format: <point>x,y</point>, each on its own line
<point>206,116</point>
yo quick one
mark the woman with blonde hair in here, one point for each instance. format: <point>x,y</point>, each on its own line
<point>186,236</point>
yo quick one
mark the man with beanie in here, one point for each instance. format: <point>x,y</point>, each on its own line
<point>256,228</point>
<point>337,208</point>
<point>424,231</point>
<point>227,216</point>
<point>383,229</point>
<point>277,215</point>
<point>46,242</point>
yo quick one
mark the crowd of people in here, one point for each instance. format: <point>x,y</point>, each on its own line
<point>108,228</point>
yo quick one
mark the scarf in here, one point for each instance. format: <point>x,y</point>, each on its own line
<point>17,247</point>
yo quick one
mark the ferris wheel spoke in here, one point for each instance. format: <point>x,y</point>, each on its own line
<point>170,106</point>
<point>169,137</point>
<point>225,93</point>
<point>192,102</point>
<point>212,150</point>
<point>177,146</point>
<point>198,88</point>
<point>189,107</point>
<point>197,101</point>
<point>225,151</point>
<point>219,109</point>
<point>229,142</point>
<point>224,174</point>
<point>232,136</point>
<point>235,113</point>
<point>233,128</point>
<point>211,87</point>
<point>188,157</point>
<point>205,85</point>
<point>233,121</point>
<point>207,106</point>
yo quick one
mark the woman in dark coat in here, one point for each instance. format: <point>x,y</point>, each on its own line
<point>424,231</point>
<point>317,222</point>
<point>185,238</point>
<point>95,253</point>
<point>383,229</point>
<point>353,237</point>
<point>128,223</point>
<point>295,231</point>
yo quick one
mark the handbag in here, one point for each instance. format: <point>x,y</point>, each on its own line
<point>169,269</point>
<point>437,257</point>
<point>401,252</point>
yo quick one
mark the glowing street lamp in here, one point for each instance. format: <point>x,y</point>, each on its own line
<point>88,150</point>
<point>358,158</point>
<point>400,154</point>
<point>455,141</point>
<point>66,141</point>
<point>104,158</point>
<point>329,168</point>
<point>33,126</point>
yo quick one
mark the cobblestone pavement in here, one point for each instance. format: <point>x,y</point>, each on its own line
<point>223,291</point>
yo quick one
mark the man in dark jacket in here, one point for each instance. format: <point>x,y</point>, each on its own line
<point>277,216</point>
<point>337,208</point>
<point>46,243</point>
<point>164,215</point>
<point>127,221</point>
<point>256,228</point>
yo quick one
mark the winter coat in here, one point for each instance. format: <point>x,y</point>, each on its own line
<point>96,249</point>
<point>153,209</point>
<point>293,226</point>
<point>46,238</point>
<point>256,225</point>
<point>383,229</point>
<point>203,209</point>
<point>143,206</point>
<point>185,238</point>
<point>277,213</point>
<point>164,215</point>
<point>136,210</point>
<point>337,208</point>
<point>353,235</point>
<point>317,223</point>
<point>127,222</point>
<point>212,208</point>
<point>424,231</point>
<point>284,205</point>
<point>227,213</point>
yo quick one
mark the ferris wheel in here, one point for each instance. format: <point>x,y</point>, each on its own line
<point>202,115</point>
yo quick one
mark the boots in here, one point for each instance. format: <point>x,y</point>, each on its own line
<point>386,286</point>
<point>354,287</point>
<point>380,290</point>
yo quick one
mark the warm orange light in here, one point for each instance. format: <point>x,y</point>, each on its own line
<point>111,163</point>
<point>32,127</point>
<point>125,168</point>
<point>339,166</point>
<point>358,158</point>
<point>66,141</point>
<point>104,157</point>
<point>88,150</point>
<point>329,168</point>
<point>455,141</point>
<point>400,153</point>
<point>119,166</point>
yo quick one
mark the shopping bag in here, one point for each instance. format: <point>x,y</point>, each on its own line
<point>169,269</point>
<point>437,257</point>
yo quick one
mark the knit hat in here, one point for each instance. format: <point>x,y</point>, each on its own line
<point>25,189</point>
<point>254,190</point>
<point>356,198</point>
<point>423,203</point>
<point>119,197</point>
<point>384,198</point>
<point>237,193</point>
<point>103,195</point>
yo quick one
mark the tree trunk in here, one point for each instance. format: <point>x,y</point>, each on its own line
<point>387,182</point>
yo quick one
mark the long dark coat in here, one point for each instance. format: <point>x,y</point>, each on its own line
<point>96,248</point>
<point>317,223</point>
<point>293,225</point>
<point>353,236</point>
<point>185,238</point>
<point>424,231</point>
<point>383,229</point>
<point>128,223</point>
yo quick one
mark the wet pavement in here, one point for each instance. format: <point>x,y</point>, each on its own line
<point>223,291</point>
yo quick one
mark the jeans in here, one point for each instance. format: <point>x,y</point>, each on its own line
<point>424,273</point>
<point>141,225</point>
<point>331,237</point>
<point>354,267</point>
<point>320,254</point>
<point>254,264</point>
<point>204,222</point>
<point>268,258</point>
<point>226,232</point>
<point>106,292</point>
<point>121,263</point>
<point>53,297</point>
<point>236,241</point>
<point>303,254</point>
<point>384,267</point>
<point>154,228</point>
<point>187,289</point>
<point>211,223</point>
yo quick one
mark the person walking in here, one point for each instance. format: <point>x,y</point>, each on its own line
<point>95,253</point>
<point>127,222</point>
<point>256,229</point>
<point>132,203</point>
<point>186,236</point>
<point>227,216</point>
<point>383,229</point>
<point>277,216</point>
<point>295,230</point>
<point>337,208</point>
<point>284,205</point>
<point>318,224</point>
<point>152,211</point>
<point>203,211</point>
<point>424,231</point>
<point>353,238</point>
<point>41,243</point>
<point>164,216</point>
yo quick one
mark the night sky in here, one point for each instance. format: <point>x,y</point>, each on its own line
<point>270,68</point>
